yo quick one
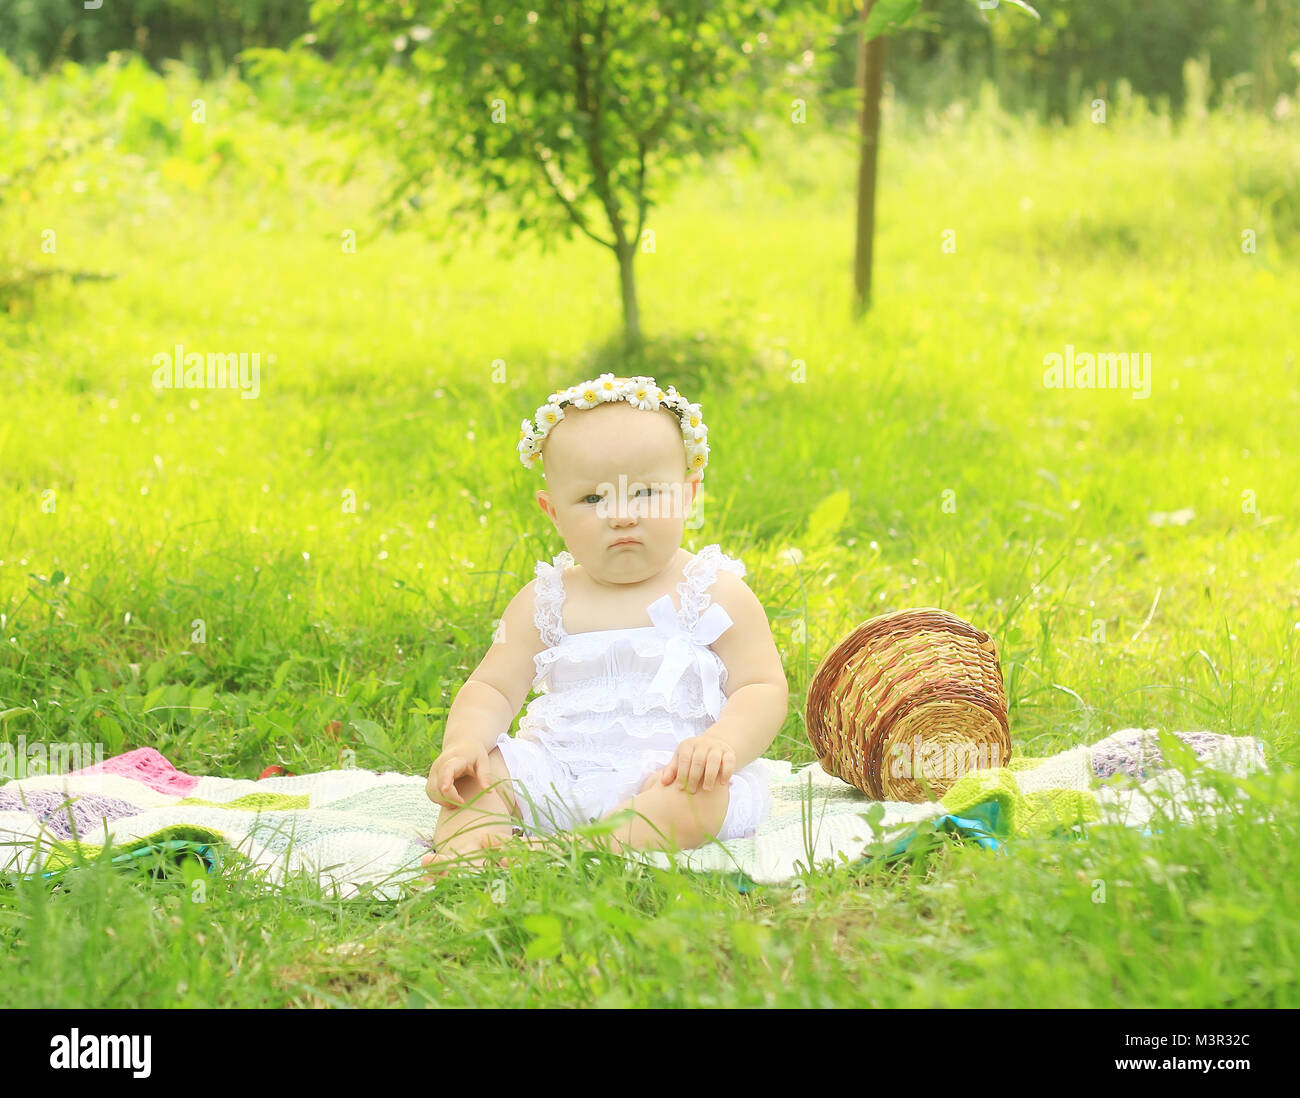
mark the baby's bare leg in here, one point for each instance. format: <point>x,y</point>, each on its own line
<point>670,818</point>
<point>485,819</point>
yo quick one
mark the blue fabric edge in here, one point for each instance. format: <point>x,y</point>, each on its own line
<point>207,853</point>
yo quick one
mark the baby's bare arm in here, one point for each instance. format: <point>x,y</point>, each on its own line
<point>758,696</point>
<point>486,704</point>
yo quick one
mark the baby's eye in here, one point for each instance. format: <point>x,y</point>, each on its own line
<point>594,498</point>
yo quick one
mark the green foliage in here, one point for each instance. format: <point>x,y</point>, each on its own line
<point>89,130</point>
<point>209,34</point>
<point>1080,49</point>
<point>576,116</point>
<point>888,14</point>
<point>564,115</point>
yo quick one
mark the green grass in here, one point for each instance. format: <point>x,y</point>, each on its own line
<point>174,508</point>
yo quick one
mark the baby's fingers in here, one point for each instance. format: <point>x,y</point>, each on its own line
<point>669,772</point>
<point>713,769</point>
<point>683,772</point>
<point>447,787</point>
<point>698,762</point>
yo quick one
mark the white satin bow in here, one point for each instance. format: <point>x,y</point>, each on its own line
<point>686,645</point>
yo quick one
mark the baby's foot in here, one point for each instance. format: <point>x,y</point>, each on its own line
<point>465,855</point>
<point>468,856</point>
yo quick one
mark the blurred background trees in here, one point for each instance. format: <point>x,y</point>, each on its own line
<point>207,34</point>
<point>415,77</point>
<point>1080,47</point>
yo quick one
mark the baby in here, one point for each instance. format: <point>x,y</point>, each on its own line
<point>648,702</point>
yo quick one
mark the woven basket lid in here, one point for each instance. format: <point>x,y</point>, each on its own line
<point>907,703</point>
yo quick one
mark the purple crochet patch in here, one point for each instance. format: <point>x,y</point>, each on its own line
<point>52,808</point>
<point>1138,755</point>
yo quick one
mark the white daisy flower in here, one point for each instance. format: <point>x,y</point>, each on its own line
<point>587,395</point>
<point>548,415</point>
<point>644,395</point>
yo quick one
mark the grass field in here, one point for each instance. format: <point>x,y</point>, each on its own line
<point>1135,558</point>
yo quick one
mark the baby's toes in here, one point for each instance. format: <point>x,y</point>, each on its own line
<point>433,873</point>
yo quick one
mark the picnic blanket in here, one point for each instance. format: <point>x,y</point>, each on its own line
<point>361,833</point>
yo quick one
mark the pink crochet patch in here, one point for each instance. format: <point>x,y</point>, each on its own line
<point>146,765</point>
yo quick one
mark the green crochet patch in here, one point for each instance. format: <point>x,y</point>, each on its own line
<point>64,854</point>
<point>255,802</point>
<point>1011,812</point>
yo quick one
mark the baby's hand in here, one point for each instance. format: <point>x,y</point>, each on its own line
<point>701,761</point>
<point>458,761</point>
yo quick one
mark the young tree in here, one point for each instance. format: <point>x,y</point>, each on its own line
<point>580,113</point>
<point>879,17</point>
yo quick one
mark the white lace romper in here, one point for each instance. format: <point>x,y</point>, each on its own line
<point>615,703</point>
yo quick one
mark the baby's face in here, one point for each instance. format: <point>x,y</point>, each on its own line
<point>615,472</point>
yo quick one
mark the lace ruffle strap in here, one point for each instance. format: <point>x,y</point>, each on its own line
<point>699,576</point>
<point>549,598</point>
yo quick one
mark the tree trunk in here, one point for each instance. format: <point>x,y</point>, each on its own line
<point>871,67</point>
<point>631,313</point>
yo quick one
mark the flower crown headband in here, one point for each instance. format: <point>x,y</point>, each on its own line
<point>640,392</point>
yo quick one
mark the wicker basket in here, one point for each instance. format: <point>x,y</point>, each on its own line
<point>908,698</point>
